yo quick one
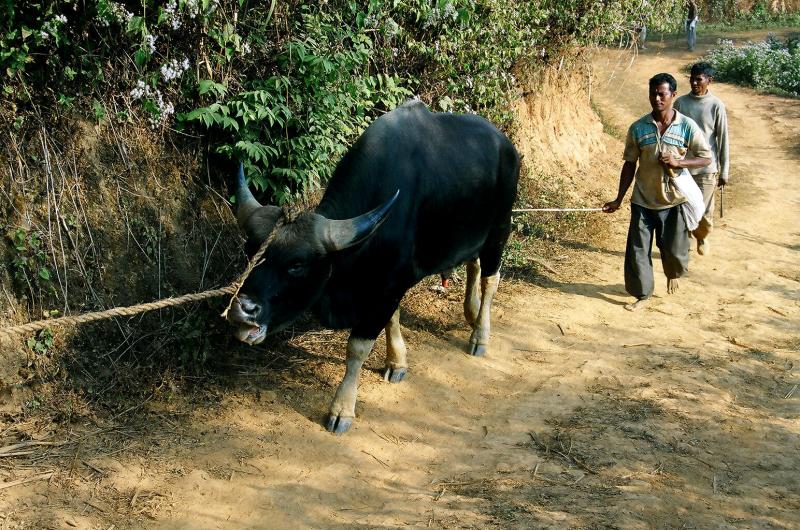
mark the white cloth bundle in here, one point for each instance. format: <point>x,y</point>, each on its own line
<point>694,207</point>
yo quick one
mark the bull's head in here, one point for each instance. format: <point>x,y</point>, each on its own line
<point>296,264</point>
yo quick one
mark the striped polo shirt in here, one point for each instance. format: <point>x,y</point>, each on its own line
<point>653,188</point>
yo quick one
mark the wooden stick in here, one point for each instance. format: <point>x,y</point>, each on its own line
<point>22,445</point>
<point>376,458</point>
<point>43,476</point>
<point>787,396</point>
<point>781,313</point>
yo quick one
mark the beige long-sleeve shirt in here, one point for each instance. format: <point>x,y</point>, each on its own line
<point>710,115</point>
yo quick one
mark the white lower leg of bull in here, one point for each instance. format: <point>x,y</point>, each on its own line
<point>396,363</point>
<point>472,302</point>
<point>343,407</point>
<point>479,340</point>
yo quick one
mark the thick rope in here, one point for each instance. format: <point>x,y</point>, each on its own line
<point>254,262</point>
<point>523,210</point>
<point>232,289</point>
<point>117,311</point>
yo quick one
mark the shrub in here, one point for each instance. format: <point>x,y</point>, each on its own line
<point>286,86</point>
<point>772,64</point>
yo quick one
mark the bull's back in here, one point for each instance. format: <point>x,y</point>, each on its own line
<point>457,176</point>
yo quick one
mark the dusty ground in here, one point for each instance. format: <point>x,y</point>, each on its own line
<point>684,415</point>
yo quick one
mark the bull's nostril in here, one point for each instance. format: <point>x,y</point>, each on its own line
<point>249,307</point>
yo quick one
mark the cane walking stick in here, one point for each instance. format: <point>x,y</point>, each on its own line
<point>721,203</point>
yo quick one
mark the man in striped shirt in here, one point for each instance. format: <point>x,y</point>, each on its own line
<point>658,142</point>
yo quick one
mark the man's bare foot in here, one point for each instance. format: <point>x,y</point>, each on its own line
<point>703,248</point>
<point>637,305</point>
<point>672,286</point>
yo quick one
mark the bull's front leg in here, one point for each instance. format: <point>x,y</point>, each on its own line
<point>343,407</point>
<point>479,340</point>
<point>396,363</point>
<point>472,302</point>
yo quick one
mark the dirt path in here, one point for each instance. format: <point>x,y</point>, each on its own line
<point>684,415</point>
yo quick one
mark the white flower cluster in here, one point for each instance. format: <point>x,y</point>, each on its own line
<point>172,15</point>
<point>150,41</point>
<point>51,26</point>
<point>117,14</point>
<point>165,108</point>
<point>439,15</point>
<point>192,8</point>
<point>174,69</point>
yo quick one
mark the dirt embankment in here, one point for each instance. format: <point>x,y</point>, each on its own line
<point>582,415</point>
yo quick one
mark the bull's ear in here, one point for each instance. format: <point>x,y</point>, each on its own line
<point>246,204</point>
<point>348,232</point>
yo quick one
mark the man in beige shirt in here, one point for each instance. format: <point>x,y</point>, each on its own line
<point>709,113</point>
<point>658,142</point>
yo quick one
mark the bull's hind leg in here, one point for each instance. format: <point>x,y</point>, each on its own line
<point>396,363</point>
<point>472,302</point>
<point>343,407</point>
<point>490,256</point>
<point>479,340</point>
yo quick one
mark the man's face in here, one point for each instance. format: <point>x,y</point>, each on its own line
<point>661,97</point>
<point>699,84</point>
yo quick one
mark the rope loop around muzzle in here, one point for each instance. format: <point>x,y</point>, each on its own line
<point>255,261</point>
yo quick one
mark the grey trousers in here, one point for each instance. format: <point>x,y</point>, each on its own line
<point>707,183</point>
<point>672,239</point>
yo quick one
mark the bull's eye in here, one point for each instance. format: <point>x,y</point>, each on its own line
<point>297,269</point>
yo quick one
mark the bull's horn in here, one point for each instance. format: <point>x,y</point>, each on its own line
<point>246,204</point>
<point>348,232</point>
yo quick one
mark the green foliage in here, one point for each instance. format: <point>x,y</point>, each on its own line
<point>772,64</point>
<point>42,342</point>
<point>732,14</point>
<point>287,86</point>
<point>29,261</point>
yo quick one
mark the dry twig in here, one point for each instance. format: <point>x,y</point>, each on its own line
<point>43,476</point>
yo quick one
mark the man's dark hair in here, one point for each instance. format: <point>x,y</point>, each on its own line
<point>660,79</point>
<point>703,68</point>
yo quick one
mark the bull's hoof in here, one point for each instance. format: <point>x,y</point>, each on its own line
<point>394,375</point>
<point>478,350</point>
<point>338,424</point>
<point>477,344</point>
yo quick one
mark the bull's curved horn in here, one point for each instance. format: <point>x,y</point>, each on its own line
<point>347,232</point>
<point>246,204</point>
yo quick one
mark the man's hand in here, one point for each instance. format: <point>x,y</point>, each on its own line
<point>612,206</point>
<point>721,182</point>
<point>669,160</point>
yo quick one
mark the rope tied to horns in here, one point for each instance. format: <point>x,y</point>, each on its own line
<point>232,289</point>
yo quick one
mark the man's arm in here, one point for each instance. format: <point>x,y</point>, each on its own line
<point>669,160</point>
<point>721,129</point>
<point>625,180</point>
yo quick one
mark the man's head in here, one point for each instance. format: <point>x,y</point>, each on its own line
<point>662,91</point>
<point>700,77</point>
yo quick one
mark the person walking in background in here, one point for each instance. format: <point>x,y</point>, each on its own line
<point>655,141</point>
<point>690,24</point>
<point>709,113</point>
<point>640,26</point>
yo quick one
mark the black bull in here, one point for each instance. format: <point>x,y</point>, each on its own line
<point>437,190</point>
